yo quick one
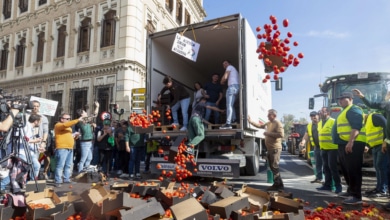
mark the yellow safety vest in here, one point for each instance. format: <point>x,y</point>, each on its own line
<point>325,135</point>
<point>374,135</point>
<point>310,133</point>
<point>344,128</point>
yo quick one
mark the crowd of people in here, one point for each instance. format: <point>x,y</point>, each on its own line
<point>341,142</point>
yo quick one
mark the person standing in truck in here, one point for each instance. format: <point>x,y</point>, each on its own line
<point>231,77</point>
<point>214,96</point>
<point>273,141</point>
<point>181,99</point>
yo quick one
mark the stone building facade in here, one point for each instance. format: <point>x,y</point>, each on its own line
<point>79,51</point>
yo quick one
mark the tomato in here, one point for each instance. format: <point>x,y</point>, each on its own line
<point>289,34</point>
<point>285,23</point>
<point>258,29</point>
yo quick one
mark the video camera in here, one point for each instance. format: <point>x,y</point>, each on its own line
<point>9,101</point>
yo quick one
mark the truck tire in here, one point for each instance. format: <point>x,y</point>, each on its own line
<point>253,163</point>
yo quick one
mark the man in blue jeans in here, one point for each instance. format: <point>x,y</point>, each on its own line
<point>64,147</point>
<point>214,96</point>
<point>231,77</point>
<point>135,145</point>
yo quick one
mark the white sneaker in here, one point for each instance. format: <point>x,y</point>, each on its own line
<point>131,175</point>
<point>123,175</point>
<point>183,129</point>
<point>174,124</point>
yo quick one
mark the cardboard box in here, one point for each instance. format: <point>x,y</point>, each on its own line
<point>189,209</point>
<point>118,201</point>
<point>69,210</point>
<point>284,216</point>
<point>49,198</point>
<point>244,215</point>
<point>221,191</point>
<point>208,198</point>
<point>11,212</point>
<point>167,198</point>
<point>259,200</point>
<point>145,188</point>
<point>125,187</point>
<point>285,205</point>
<point>146,210</point>
<point>141,130</point>
<point>226,206</point>
<point>94,195</point>
<point>32,186</point>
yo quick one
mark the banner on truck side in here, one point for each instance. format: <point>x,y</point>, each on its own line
<point>48,107</point>
<point>185,47</point>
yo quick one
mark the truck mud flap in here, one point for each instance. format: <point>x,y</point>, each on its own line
<point>211,167</point>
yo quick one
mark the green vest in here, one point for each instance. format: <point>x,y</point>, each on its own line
<point>325,135</point>
<point>344,128</point>
<point>374,135</point>
<point>310,133</point>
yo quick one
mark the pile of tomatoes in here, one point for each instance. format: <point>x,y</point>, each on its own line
<point>275,45</point>
<point>181,160</point>
<point>144,120</point>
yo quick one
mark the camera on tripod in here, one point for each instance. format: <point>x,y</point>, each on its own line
<point>9,101</point>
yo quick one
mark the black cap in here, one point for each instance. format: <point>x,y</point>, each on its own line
<point>345,95</point>
<point>313,113</point>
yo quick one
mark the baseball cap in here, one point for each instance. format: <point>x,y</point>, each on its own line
<point>106,122</point>
<point>313,113</point>
<point>345,95</point>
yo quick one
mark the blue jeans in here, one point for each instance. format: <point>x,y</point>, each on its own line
<point>64,160</point>
<point>184,104</point>
<point>4,182</point>
<point>35,163</point>
<point>208,113</point>
<point>135,159</point>
<point>96,156</point>
<point>380,165</point>
<point>329,159</point>
<point>231,94</point>
<point>317,154</point>
<point>86,155</point>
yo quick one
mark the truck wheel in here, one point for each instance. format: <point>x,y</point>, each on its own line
<point>253,163</point>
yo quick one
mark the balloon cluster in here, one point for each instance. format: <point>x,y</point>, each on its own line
<point>275,51</point>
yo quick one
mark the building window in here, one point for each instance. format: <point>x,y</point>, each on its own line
<point>150,28</point>
<point>169,5</point>
<point>41,2</point>
<point>20,50</point>
<point>4,57</point>
<point>61,41</point>
<point>84,35</point>
<point>179,12</point>
<point>7,8</point>
<point>108,29</point>
<point>23,5</point>
<point>41,46</point>
<point>187,17</point>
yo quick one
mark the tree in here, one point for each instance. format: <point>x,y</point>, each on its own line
<point>288,121</point>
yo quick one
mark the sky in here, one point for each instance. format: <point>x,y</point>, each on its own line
<point>336,37</point>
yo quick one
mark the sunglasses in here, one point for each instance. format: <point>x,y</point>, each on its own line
<point>66,118</point>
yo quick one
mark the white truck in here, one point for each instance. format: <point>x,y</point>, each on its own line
<point>223,153</point>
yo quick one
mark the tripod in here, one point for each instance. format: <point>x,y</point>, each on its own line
<point>19,162</point>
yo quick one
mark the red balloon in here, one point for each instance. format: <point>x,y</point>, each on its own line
<point>285,23</point>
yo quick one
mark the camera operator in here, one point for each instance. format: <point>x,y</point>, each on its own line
<point>7,123</point>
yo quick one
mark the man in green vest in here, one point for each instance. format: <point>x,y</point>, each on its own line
<point>329,152</point>
<point>347,134</point>
<point>375,134</point>
<point>312,135</point>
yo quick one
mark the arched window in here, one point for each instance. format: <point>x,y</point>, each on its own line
<point>40,46</point>
<point>108,29</point>
<point>23,5</point>
<point>84,35</point>
<point>20,50</point>
<point>4,57</point>
<point>61,41</point>
<point>7,8</point>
